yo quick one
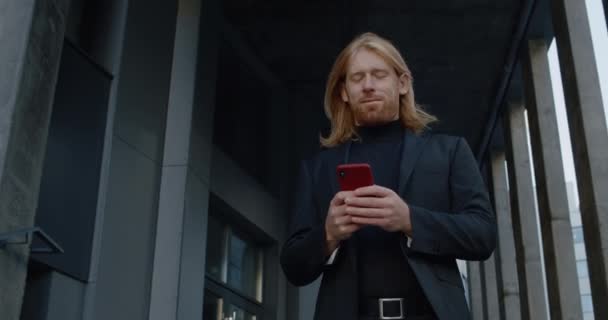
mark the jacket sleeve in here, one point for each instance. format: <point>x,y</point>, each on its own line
<point>468,232</point>
<point>303,254</point>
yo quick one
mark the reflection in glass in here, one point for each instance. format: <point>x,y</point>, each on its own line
<point>581,268</point>
<point>215,245</point>
<point>244,266</point>
<point>232,312</point>
<point>212,307</point>
<point>577,234</point>
<point>587,303</point>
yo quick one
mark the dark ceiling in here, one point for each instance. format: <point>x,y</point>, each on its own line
<point>458,51</point>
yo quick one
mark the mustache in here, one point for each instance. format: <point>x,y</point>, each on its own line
<point>370,98</point>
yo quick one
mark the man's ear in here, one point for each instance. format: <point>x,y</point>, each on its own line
<point>404,84</point>
<point>343,94</point>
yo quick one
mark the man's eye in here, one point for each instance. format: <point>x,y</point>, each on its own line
<point>356,77</point>
<point>380,74</point>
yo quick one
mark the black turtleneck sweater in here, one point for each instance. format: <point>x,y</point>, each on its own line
<point>383,270</point>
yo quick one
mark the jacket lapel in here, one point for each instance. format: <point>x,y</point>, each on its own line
<point>412,148</point>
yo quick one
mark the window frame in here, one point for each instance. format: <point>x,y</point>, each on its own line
<point>219,287</point>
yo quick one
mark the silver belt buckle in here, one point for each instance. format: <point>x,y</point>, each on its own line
<point>381,301</point>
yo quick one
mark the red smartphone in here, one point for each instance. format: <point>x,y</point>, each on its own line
<point>354,176</point>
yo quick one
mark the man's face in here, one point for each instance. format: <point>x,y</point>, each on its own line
<point>372,89</point>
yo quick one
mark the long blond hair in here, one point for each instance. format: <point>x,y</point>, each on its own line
<point>340,114</point>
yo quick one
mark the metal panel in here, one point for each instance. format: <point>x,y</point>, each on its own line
<point>70,179</point>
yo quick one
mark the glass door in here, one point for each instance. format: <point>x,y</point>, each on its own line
<point>226,308</point>
<point>212,308</point>
<point>234,272</point>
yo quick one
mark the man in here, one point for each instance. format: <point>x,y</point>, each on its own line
<point>386,251</point>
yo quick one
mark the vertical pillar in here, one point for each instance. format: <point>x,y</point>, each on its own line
<point>178,282</point>
<point>475,290</point>
<point>589,135</point>
<point>170,226</point>
<point>280,159</point>
<point>490,281</point>
<point>32,37</point>
<point>560,263</point>
<point>525,225</point>
<point>134,167</point>
<point>508,287</point>
<point>491,306</point>
<point>196,206</point>
<point>606,11</point>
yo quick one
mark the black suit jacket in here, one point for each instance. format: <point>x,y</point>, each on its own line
<point>451,214</point>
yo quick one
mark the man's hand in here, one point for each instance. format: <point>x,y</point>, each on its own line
<point>379,206</point>
<point>338,224</point>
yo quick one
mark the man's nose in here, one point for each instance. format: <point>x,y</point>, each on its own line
<point>368,83</point>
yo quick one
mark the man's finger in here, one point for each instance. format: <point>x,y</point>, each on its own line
<point>337,210</point>
<point>366,212</point>
<point>373,191</point>
<point>343,220</point>
<point>349,228</point>
<point>339,197</point>
<point>366,202</point>
<point>380,222</point>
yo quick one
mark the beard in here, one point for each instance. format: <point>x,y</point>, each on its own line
<point>371,114</point>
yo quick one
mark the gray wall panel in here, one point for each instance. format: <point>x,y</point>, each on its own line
<point>73,162</point>
<point>246,195</point>
<point>145,75</point>
<point>126,255</point>
<point>307,298</point>
<point>65,298</point>
<point>128,233</point>
<point>194,242</point>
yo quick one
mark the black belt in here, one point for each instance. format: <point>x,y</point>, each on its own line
<point>393,308</point>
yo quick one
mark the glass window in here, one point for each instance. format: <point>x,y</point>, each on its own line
<point>577,234</point>
<point>587,303</point>
<point>234,260</point>
<point>234,267</point>
<point>215,248</point>
<point>584,285</point>
<point>212,307</point>
<point>579,251</point>
<point>581,268</point>
<point>232,312</point>
<point>244,267</point>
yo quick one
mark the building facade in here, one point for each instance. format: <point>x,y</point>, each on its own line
<point>147,151</point>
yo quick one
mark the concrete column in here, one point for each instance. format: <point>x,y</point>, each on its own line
<point>491,309</point>
<point>560,263</point>
<point>589,136</point>
<point>525,222</point>
<point>178,281</point>
<point>508,287</point>
<point>127,234</point>
<point>196,204</point>
<point>490,289</point>
<point>475,290</point>
<point>280,155</point>
<point>32,38</point>
<point>170,223</point>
